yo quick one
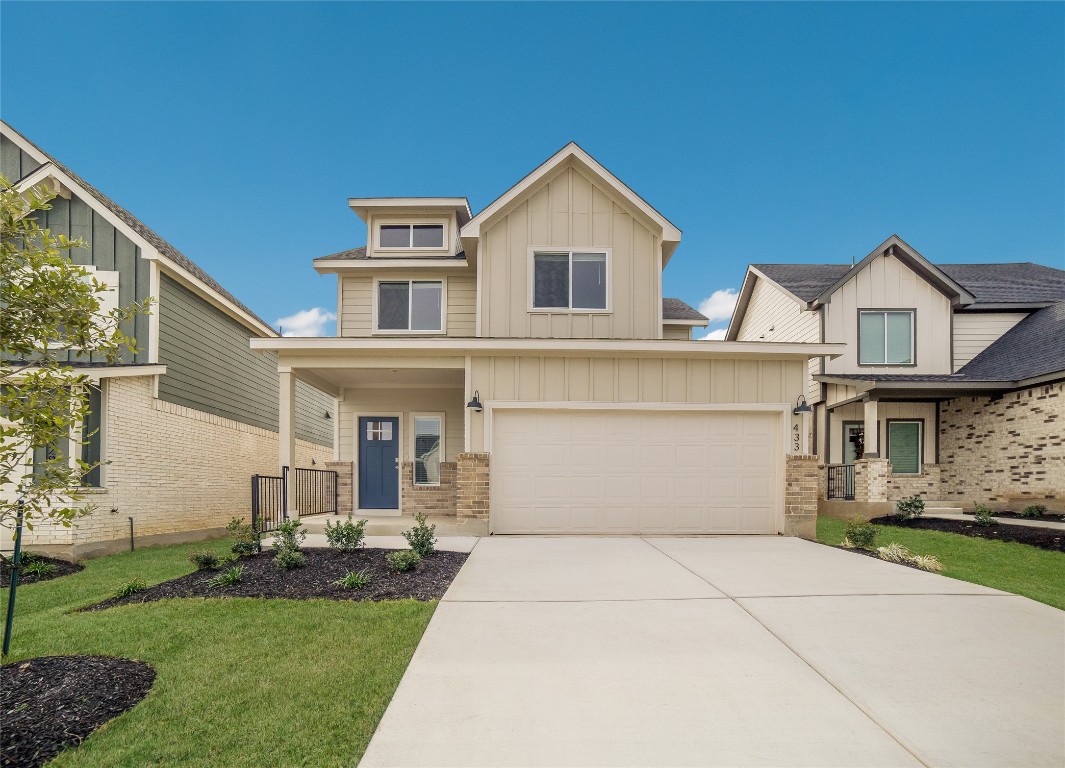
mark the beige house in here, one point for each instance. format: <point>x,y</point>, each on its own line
<point>520,370</point>
<point>951,381</point>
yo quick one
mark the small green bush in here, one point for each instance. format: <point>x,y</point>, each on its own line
<point>909,509</point>
<point>287,559</point>
<point>860,533</point>
<point>403,560</point>
<point>289,535</point>
<point>353,580</point>
<point>131,587</point>
<point>346,536</point>
<point>39,568</point>
<point>1034,510</point>
<point>244,541</point>
<point>983,516</point>
<point>421,537</point>
<point>228,577</point>
<point>205,560</point>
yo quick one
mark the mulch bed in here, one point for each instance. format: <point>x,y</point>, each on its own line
<point>1049,517</point>
<point>315,580</point>
<point>62,568</point>
<point>1043,538</point>
<point>53,702</point>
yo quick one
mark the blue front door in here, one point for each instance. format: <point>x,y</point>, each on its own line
<point>378,462</point>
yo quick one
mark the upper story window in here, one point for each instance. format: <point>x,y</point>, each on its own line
<point>410,305</point>
<point>411,236</point>
<point>571,280</point>
<point>885,337</point>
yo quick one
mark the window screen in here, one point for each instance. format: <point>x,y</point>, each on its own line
<point>393,306</point>
<point>551,280</point>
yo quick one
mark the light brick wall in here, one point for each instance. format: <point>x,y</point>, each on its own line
<point>870,480</point>
<point>1007,448</point>
<point>429,499</point>
<point>926,485</point>
<point>801,479</point>
<point>345,489</point>
<point>172,468</point>
<point>472,481</point>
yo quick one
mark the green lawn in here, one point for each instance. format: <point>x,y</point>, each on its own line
<point>1012,567</point>
<point>240,682</point>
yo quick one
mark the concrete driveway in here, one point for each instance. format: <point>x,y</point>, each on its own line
<point>723,651</point>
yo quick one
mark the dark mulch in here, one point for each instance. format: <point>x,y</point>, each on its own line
<point>1043,538</point>
<point>315,580</point>
<point>62,568</point>
<point>54,702</point>
<point>1049,517</point>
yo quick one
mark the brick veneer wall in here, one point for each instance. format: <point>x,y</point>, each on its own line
<point>801,479</point>
<point>429,499</point>
<point>172,468</point>
<point>472,482</point>
<point>870,480</point>
<point>345,489</point>
<point>926,485</point>
<point>1005,448</point>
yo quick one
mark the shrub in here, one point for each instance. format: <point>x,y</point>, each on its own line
<point>244,541</point>
<point>205,560</point>
<point>346,536</point>
<point>353,580</point>
<point>860,534</point>
<point>421,537</point>
<point>403,560</point>
<point>908,509</point>
<point>896,553</point>
<point>131,587</point>
<point>983,516</point>
<point>39,568</point>
<point>1034,510</point>
<point>289,535</point>
<point>287,559</point>
<point>228,577</point>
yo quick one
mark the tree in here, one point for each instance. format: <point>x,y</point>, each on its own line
<point>49,308</point>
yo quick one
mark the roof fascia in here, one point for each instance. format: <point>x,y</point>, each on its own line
<point>976,308</point>
<point>460,205</point>
<point>40,176</point>
<point>334,266</point>
<point>695,323</point>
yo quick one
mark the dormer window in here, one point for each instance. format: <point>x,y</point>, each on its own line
<point>411,236</point>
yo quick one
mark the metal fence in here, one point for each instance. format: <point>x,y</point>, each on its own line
<point>316,491</point>
<point>269,501</point>
<point>840,481</point>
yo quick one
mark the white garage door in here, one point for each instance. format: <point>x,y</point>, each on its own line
<point>594,471</point>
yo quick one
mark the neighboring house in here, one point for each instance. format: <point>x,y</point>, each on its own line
<point>520,368</point>
<point>183,423</point>
<point>952,380</point>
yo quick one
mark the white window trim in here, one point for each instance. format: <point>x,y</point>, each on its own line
<point>920,444</point>
<point>885,313</point>
<point>376,299</point>
<point>414,416</point>
<point>531,279</point>
<point>377,222</point>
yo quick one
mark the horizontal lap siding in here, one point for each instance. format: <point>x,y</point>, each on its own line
<point>356,301</point>
<point>975,332</point>
<point>676,332</point>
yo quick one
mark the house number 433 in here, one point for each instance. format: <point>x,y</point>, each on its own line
<point>796,440</point>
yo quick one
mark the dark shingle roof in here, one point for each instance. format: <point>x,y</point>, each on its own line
<point>807,281</point>
<point>675,309</point>
<point>144,231</point>
<point>360,253</point>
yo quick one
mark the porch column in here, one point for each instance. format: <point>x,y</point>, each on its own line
<point>286,436</point>
<point>872,434</point>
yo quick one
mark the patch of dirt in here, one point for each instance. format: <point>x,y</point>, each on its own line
<point>315,580</point>
<point>53,702</point>
<point>1043,538</point>
<point>62,568</point>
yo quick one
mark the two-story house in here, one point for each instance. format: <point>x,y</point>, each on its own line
<point>181,425</point>
<point>951,384</point>
<point>520,368</point>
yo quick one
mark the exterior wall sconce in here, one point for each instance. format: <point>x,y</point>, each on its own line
<point>475,403</point>
<point>801,406</point>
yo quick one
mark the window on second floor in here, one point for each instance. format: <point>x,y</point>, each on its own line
<point>885,337</point>
<point>411,236</point>
<point>410,305</point>
<point>569,280</point>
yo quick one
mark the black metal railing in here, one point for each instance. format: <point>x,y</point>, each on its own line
<point>269,501</point>
<point>316,491</point>
<point>841,481</point>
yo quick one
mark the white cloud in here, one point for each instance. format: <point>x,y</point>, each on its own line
<point>719,305</point>
<point>718,334</point>
<point>306,322</point>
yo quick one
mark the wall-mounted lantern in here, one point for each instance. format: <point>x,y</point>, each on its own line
<point>475,403</point>
<point>801,406</point>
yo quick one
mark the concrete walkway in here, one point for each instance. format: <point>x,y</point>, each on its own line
<point>723,651</point>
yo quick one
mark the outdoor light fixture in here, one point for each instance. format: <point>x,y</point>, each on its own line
<point>475,403</point>
<point>801,406</point>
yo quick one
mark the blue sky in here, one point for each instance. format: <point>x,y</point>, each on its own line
<point>767,132</point>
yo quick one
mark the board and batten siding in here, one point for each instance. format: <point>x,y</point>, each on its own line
<point>355,317</point>
<point>887,283</point>
<point>570,211</point>
<point>852,412</point>
<point>975,331</point>
<point>631,380</point>
<point>404,403</point>
<point>211,368</point>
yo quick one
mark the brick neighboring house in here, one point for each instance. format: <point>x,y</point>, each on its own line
<point>183,423</point>
<point>951,385</point>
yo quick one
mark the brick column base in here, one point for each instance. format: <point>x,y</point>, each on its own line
<point>345,495</point>
<point>800,496</point>
<point>472,482</point>
<point>871,480</point>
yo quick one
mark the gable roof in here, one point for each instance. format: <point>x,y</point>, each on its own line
<point>572,152</point>
<point>1016,283</point>
<point>140,228</point>
<point>675,309</point>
